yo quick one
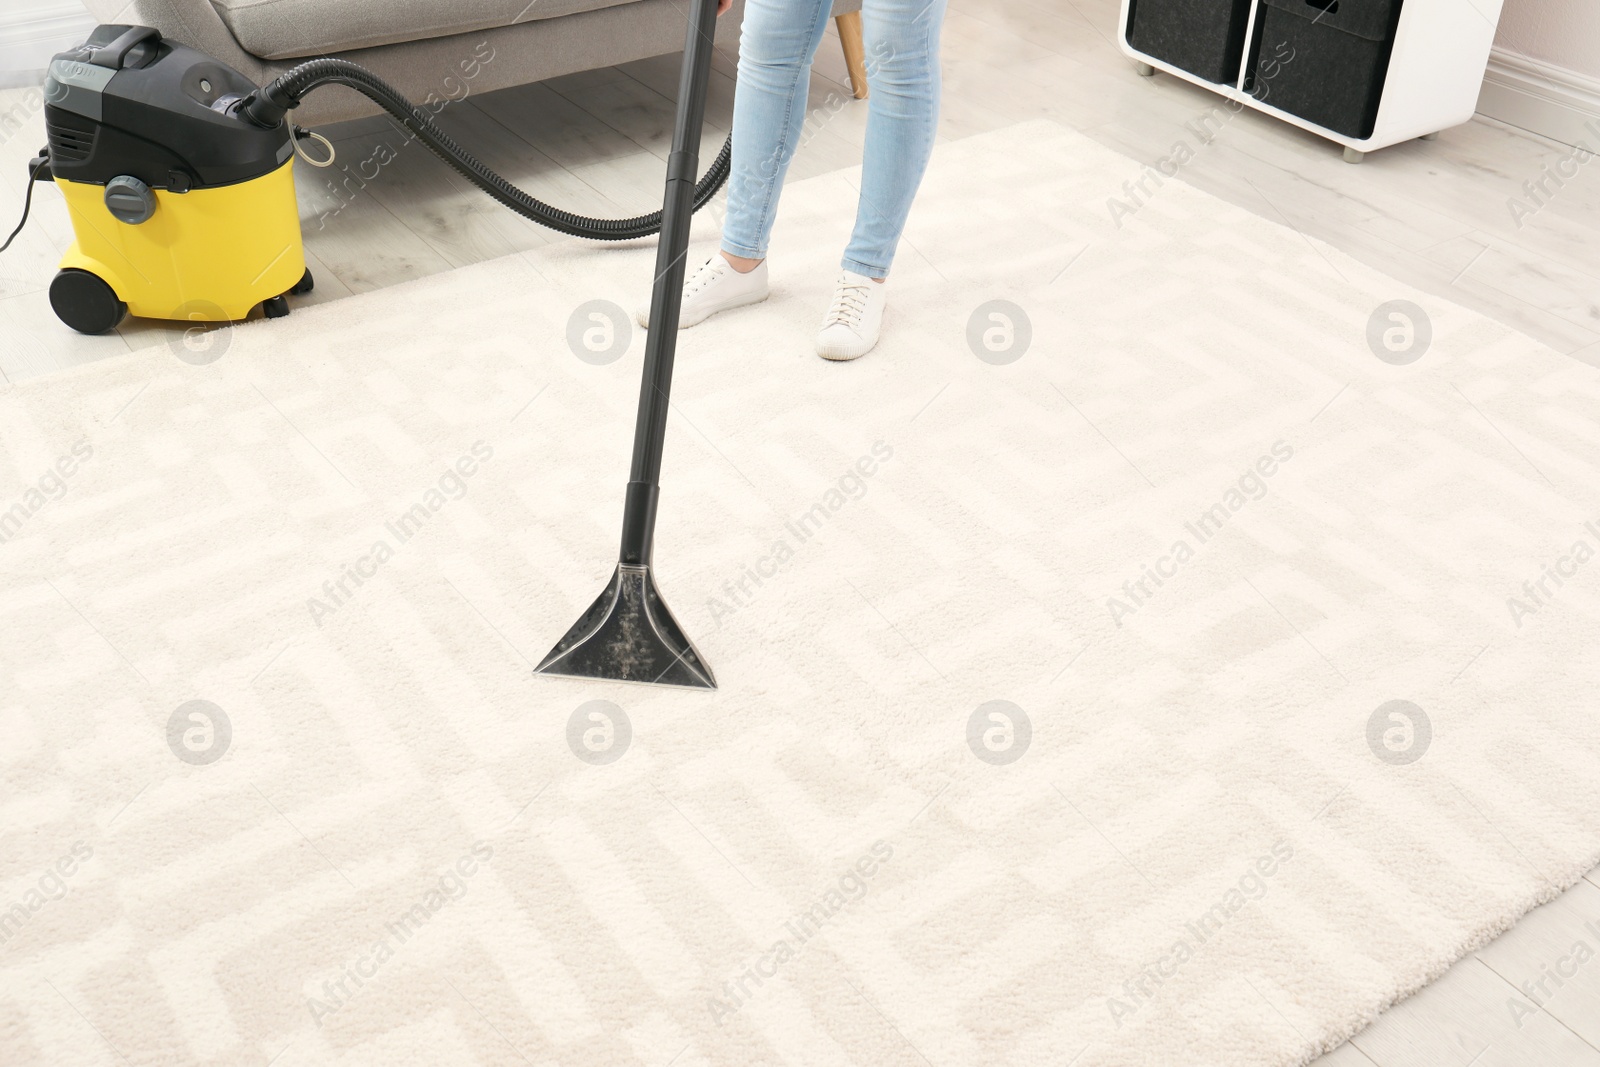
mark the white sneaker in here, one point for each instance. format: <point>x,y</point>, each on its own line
<point>850,328</point>
<point>712,287</point>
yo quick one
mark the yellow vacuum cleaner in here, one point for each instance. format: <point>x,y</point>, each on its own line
<point>180,210</point>
<point>178,175</point>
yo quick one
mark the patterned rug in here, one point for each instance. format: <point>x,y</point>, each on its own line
<point>1173,644</point>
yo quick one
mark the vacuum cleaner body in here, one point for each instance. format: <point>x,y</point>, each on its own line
<point>181,208</point>
<point>177,171</point>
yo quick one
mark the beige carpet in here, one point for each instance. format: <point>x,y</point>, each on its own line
<point>1196,539</point>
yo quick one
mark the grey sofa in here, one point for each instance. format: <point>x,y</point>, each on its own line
<point>418,44</point>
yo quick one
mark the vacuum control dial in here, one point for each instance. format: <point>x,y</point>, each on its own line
<point>129,199</point>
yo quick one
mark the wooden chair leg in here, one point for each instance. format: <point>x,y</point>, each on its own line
<point>855,51</point>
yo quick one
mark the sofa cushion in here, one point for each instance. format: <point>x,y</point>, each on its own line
<point>292,29</point>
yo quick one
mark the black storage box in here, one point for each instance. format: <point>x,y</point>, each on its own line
<point>1203,37</point>
<point>1324,60</point>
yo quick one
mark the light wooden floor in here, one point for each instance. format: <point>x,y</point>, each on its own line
<point>1435,215</point>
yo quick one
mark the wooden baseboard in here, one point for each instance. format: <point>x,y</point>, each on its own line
<point>1551,101</point>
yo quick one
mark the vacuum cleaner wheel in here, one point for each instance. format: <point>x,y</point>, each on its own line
<point>85,301</point>
<point>304,285</point>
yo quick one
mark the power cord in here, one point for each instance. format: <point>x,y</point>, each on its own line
<point>27,198</point>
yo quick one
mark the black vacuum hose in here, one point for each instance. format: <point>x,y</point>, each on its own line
<point>267,106</point>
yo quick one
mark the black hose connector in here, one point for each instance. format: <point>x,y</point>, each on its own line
<point>267,107</point>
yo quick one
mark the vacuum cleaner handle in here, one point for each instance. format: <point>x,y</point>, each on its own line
<point>677,213</point>
<point>115,54</point>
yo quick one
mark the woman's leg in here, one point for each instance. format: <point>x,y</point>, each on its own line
<point>776,45</point>
<point>902,43</point>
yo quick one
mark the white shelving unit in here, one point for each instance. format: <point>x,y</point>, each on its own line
<point>1441,49</point>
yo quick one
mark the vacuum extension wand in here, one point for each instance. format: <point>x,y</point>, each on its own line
<point>267,107</point>
<point>628,634</point>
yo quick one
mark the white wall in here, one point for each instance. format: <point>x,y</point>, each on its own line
<point>31,31</point>
<point>1565,33</point>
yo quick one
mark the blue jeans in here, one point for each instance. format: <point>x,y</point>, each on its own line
<point>778,40</point>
